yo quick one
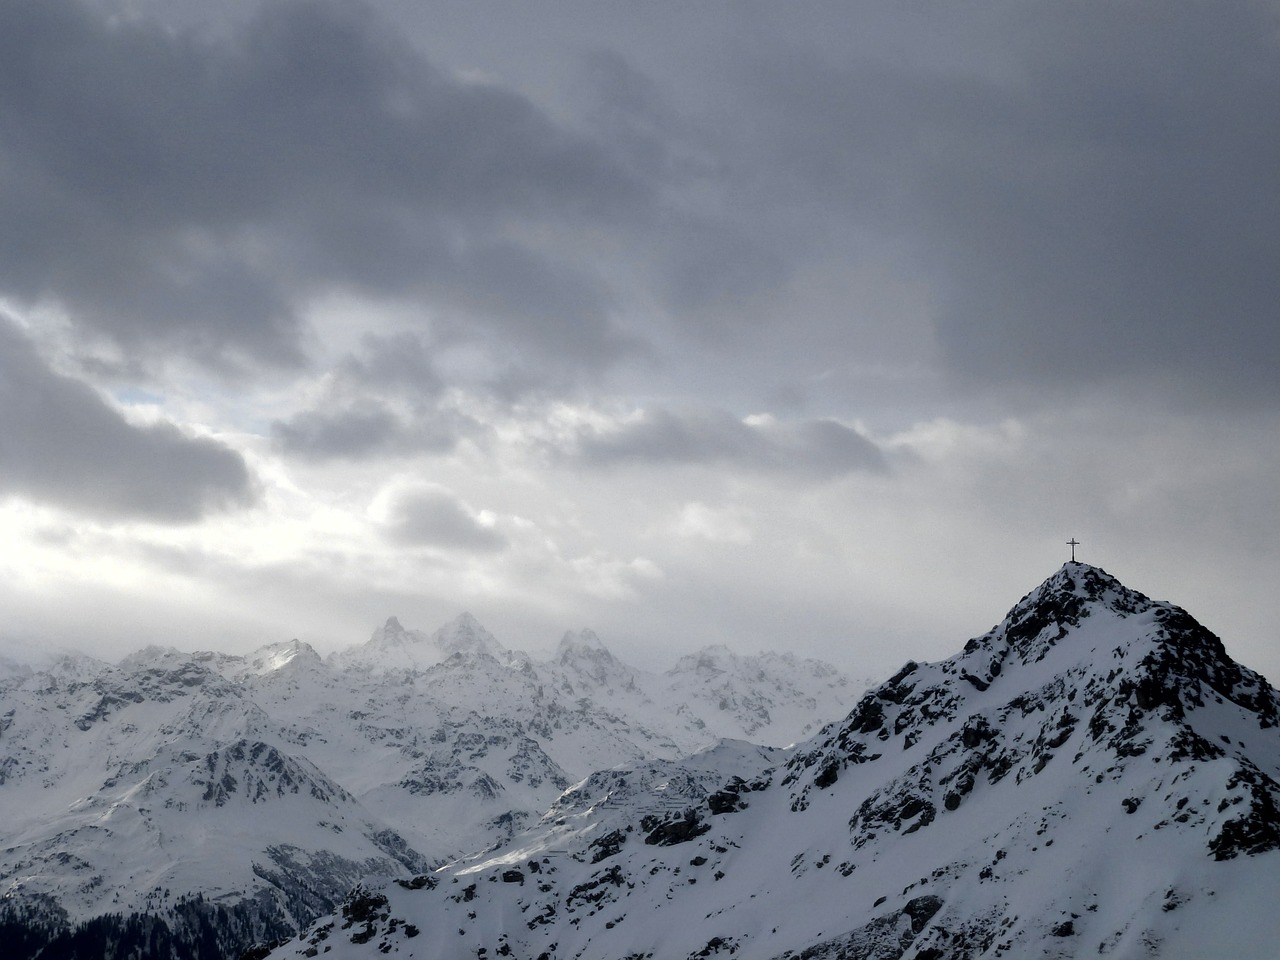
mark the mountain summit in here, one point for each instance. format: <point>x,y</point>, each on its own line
<point>1084,664</point>
<point>465,635</point>
<point>1094,776</point>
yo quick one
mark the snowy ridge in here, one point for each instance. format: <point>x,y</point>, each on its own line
<point>162,763</point>
<point>271,784</point>
<point>1092,777</point>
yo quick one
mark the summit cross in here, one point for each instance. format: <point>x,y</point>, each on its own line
<point>1073,543</point>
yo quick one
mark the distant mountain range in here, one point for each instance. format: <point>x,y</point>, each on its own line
<point>187,805</point>
<point>1093,777</point>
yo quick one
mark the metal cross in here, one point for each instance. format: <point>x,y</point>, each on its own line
<point>1073,543</point>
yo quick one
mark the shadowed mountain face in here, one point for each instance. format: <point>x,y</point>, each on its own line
<point>1092,777</point>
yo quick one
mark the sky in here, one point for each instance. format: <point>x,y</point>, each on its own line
<point>817,327</point>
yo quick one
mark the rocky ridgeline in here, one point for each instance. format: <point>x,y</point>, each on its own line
<point>1094,776</point>
<point>1147,695</point>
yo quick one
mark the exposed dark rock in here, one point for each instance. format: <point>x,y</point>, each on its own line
<point>725,801</point>
<point>419,882</point>
<point>828,775</point>
<point>363,906</point>
<point>596,889</point>
<point>1257,830</point>
<point>682,830</point>
<point>607,845</point>
<point>887,937</point>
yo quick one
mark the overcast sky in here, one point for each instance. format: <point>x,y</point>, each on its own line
<point>805,326</point>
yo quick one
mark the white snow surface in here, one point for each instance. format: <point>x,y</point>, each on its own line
<point>1092,777</point>
<point>285,779</point>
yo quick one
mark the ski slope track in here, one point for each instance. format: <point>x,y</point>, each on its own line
<point>1092,777</point>
<point>178,805</point>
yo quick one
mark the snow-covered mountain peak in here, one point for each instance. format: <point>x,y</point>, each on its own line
<point>393,634</point>
<point>1082,609</point>
<point>23,658</point>
<point>152,657</point>
<point>390,647</point>
<point>64,668</point>
<point>584,654</point>
<point>1082,666</point>
<point>154,670</point>
<point>465,634</point>
<point>289,654</point>
<point>584,643</point>
<point>1089,584</point>
<point>709,661</point>
<point>1045,616</point>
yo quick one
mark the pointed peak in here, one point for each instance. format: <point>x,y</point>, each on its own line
<point>276,656</point>
<point>1081,577</point>
<point>585,655</point>
<point>465,634</point>
<point>1087,583</point>
<point>1046,614</point>
<point>583,643</point>
<point>392,633</point>
<point>391,646</point>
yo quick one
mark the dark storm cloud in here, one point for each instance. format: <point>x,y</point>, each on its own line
<point>183,192</point>
<point>1085,194</point>
<point>1090,190</point>
<point>370,428</point>
<point>710,248</point>
<point>60,443</point>
<point>434,517</point>
<point>713,437</point>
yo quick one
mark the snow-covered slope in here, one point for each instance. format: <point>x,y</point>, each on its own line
<point>749,697</point>
<point>235,798</point>
<point>157,780</point>
<point>1092,777</point>
<point>393,648</point>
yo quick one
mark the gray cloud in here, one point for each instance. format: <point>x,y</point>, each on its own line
<point>711,244</point>
<point>183,191</point>
<point>399,361</point>
<point>435,517</point>
<point>661,436</point>
<point>350,433</point>
<point>1089,191</point>
<point>1086,196</point>
<point>382,400</point>
<point>370,428</point>
<point>61,443</point>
